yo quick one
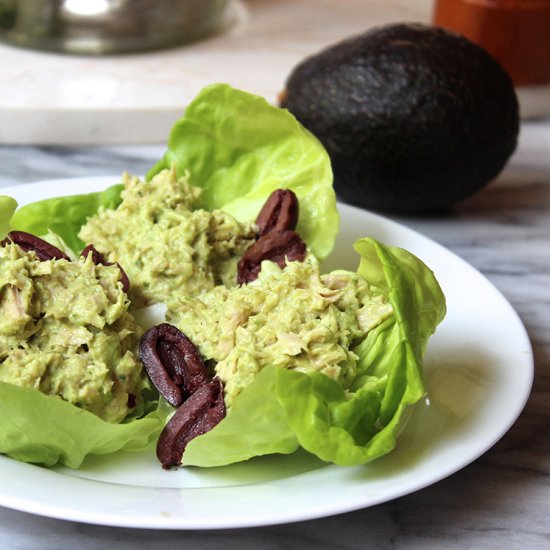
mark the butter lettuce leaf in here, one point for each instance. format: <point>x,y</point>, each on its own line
<point>256,426</point>
<point>238,148</point>
<point>7,208</point>
<point>64,216</point>
<point>312,410</point>
<point>46,430</point>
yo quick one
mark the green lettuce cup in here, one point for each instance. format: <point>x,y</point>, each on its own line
<point>237,148</point>
<point>7,208</point>
<point>282,410</point>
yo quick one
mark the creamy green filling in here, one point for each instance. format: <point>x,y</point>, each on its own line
<point>167,245</point>
<point>65,330</point>
<point>293,318</point>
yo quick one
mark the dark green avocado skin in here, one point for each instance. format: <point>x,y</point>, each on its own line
<point>413,117</point>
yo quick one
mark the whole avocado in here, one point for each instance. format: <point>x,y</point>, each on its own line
<point>413,117</point>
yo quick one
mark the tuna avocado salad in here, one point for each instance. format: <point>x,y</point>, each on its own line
<point>65,330</point>
<point>190,308</point>
<point>293,318</point>
<point>167,246</point>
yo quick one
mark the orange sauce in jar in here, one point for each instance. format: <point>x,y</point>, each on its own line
<point>515,32</point>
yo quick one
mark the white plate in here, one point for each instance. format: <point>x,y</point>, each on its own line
<point>479,371</point>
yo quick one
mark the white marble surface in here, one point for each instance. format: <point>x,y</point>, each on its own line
<point>52,98</point>
<point>135,98</point>
<point>500,501</point>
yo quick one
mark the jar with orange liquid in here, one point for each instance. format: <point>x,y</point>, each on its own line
<point>516,33</point>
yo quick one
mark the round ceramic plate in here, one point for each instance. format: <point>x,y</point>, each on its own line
<point>479,371</point>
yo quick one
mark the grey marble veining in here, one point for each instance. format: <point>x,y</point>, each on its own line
<point>502,500</point>
<point>19,164</point>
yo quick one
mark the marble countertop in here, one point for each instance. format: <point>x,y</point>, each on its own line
<point>135,98</point>
<point>122,99</point>
<point>501,500</point>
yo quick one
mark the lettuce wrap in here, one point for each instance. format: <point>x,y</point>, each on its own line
<point>282,409</point>
<point>238,149</point>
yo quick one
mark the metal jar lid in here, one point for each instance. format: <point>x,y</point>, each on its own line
<point>107,26</point>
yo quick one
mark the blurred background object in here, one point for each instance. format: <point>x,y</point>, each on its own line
<point>516,33</point>
<point>107,26</point>
<point>47,97</point>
